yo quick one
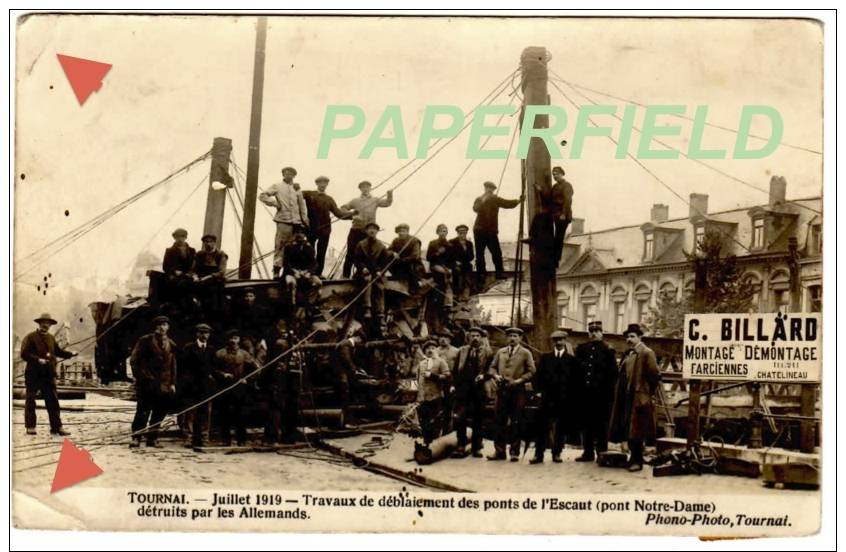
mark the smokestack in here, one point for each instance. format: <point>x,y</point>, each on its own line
<point>660,213</point>
<point>698,205</point>
<point>778,190</point>
<point>577,226</point>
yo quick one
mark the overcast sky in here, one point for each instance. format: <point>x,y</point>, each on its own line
<point>177,82</point>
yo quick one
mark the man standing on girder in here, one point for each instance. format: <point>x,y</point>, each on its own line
<point>365,207</point>
<point>321,206</point>
<point>291,210</point>
<point>486,228</point>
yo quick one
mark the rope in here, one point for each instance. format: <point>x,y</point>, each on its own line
<point>713,125</point>
<point>63,241</point>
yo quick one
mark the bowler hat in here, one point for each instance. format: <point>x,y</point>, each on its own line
<point>289,169</point>
<point>202,327</point>
<point>633,328</point>
<point>209,237</point>
<point>160,319</point>
<point>513,330</point>
<point>180,232</point>
<point>45,317</point>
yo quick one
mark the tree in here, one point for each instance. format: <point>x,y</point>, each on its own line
<point>723,289</point>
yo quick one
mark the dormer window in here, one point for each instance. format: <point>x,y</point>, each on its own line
<point>758,233</point>
<point>698,235</point>
<point>648,246</point>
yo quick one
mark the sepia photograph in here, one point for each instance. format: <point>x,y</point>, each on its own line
<point>492,274</point>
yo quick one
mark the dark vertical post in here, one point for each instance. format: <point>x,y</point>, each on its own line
<point>533,64</point>
<point>245,264</point>
<point>700,280</point>
<point>216,200</point>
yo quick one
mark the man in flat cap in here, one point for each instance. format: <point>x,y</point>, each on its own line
<point>252,318</point>
<point>462,257</point>
<point>41,353</point>
<point>298,270</point>
<point>486,227</point>
<point>432,379</point>
<point>231,364</point>
<point>321,206</point>
<point>554,384</point>
<point>439,257</point>
<point>408,266</point>
<point>371,258</point>
<point>153,362</point>
<point>210,262</point>
<point>633,413</point>
<point>596,375</point>
<point>365,207</point>
<point>196,381</point>
<point>469,379</point>
<point>177,265</point>
<point>511,368</point>
<point>291,210</point>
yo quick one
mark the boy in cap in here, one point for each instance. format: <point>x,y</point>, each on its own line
<point>486,227</point>
<point>365,213</point>
<point>321,206</point>
<point>408,265</point>
<point>291,210</point>
<point>40,352</point>
<point>633,414</point>
<point>371,257</point>
<point>153,362</point>
<point>511,368</point>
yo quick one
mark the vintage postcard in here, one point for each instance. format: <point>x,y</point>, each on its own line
<point>428,274</point>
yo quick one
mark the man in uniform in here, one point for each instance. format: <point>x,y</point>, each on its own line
<point>408,265</point>
<point>196,381</point>
<point>432,376</point>
<point>596,375</point>
<point>291,210</point>
<point>370,258</point>
<point>511,368</point>
<point>553,383</point>
<point>231,364</point>
<point>486,227</point>
<point>462,257</point>
<point>154,368</point>
<point>468,379</point>
<point>299,266</point>
<point>365,213</point>
<point>633,414</point>
<point>40,352</point>
<point>321,206</point>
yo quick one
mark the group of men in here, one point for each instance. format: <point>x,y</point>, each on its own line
<point>581,391</point>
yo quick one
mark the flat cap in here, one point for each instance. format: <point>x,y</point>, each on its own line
<point>202,327</point>
<point>161,318</point>
<point>514,330</point>
<point>180,232</point>
<point>289,169</point>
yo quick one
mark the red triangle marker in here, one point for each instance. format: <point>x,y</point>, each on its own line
<point>85,76</point>
<point>75,465</point>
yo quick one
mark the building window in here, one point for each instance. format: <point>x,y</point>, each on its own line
<point>590,313</point>
<point>815,298</point>
<point>642,310</point>
<point>619,317</point>
<point>755,283</point>
<point>667,291</point>
<point>781,300</point>
<point>815,242</point>
<point>758,233</point>
<point>698,236</point>
<point>648,246</point>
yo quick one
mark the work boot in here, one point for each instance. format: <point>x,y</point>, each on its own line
<point>31,431</point>
<point>61,431</point>
<point>515,458</point>
<point>585,458</point>
<point>536,460</point>
<point>556,458</point>
<point>476,454</point>
<point>635,468</point>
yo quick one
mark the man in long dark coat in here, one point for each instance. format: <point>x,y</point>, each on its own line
<point>154,367</point>
<point>196,381</point>
<point>469,379</point>
<point>596,376</point>
<point>633,415</point>
<point>554,381</point>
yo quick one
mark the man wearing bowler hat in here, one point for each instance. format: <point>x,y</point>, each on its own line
<point>633,414</point>
<point>596,374</point>
<point>511,368</point>
<point>486,227</point>
<point>554,383</point>
<point>40,352</point>
<point>365,207</point>
<point>321,206</point>
<point>154,368</point>
<point>291,210</point>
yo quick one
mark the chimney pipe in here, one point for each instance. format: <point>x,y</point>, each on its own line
<point>660,213</point>
<point>778,190</point>
<point>698,205</point>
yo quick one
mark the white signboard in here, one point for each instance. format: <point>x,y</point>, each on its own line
<point>770,347</point>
